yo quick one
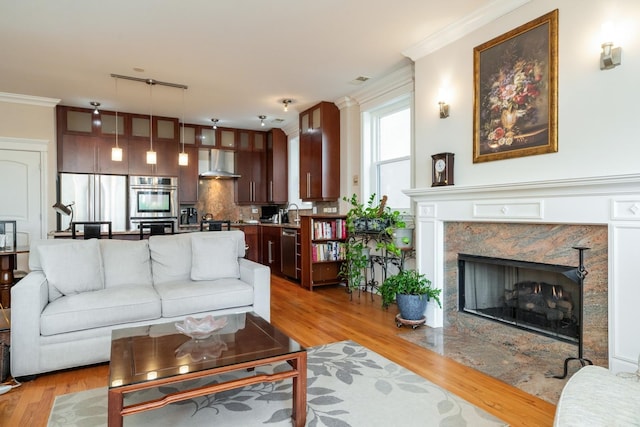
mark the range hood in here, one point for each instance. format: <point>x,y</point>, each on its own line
<point>219,165</point>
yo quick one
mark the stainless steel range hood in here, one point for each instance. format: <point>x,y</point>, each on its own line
<point>221,165</point>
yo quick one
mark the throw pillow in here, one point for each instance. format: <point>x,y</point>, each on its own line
<point>72,268</point>
<point>126,262</point>
<point>213,257</point>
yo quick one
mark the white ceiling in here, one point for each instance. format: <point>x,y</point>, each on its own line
<point>239,58</point>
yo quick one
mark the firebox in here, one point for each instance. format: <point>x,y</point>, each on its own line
<point>541,298</point>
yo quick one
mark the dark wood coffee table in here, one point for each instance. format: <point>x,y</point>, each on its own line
<point>151,356</point>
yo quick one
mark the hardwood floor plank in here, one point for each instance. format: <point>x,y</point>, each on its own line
<point>312,318</point>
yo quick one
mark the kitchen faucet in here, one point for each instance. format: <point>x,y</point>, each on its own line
<point>297,220</point>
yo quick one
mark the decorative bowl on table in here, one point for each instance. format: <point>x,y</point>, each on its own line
<point>201,328</point>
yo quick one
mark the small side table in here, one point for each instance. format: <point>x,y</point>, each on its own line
<point>7,265</point>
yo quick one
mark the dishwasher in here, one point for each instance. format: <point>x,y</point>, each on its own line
<point>288,243</point>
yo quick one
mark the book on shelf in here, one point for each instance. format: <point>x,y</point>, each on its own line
<point>329,251</point>
<point>329,229</point>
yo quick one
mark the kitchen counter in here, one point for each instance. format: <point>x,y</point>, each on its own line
<point>189,228</point>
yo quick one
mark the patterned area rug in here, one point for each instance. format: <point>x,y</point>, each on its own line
<point>348,385</point>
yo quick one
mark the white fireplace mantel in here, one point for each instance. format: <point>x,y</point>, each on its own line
<point>612,200</point>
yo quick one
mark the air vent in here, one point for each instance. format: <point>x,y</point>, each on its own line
<point>359,80</point>
<point>277,121</point>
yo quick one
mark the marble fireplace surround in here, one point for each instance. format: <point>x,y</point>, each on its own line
<point>545,218</point>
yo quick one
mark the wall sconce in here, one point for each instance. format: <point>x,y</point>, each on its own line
<point>444,109</point>
<point>610,56</point>
<point>262,118</point>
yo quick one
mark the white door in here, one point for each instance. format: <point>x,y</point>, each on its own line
<point>21,195</point>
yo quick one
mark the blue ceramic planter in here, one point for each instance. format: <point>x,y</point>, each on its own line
<point>412,307</point>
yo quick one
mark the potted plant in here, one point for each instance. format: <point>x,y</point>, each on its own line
<point>411,290</point>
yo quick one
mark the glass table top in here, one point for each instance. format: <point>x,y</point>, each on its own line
<point>147,353</point>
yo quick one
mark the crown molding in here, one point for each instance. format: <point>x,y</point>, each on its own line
<point>462,27</point>
<point>400,79</point>
<point>28,99</point>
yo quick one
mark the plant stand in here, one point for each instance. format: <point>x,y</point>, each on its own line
<point>413,323</point>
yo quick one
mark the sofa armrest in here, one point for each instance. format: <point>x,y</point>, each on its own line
<point>258,276</point>
<point>29,297</point>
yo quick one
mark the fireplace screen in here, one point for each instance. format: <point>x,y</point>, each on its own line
<point>533,296</point>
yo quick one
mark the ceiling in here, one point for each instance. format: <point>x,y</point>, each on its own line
<point>239,58</point>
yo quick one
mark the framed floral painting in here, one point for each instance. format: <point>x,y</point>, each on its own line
<point>516,92</point>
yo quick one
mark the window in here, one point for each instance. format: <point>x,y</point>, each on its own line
<point>387,152</point>
<point>294,174</point>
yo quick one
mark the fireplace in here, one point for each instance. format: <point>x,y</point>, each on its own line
<point>537,297</point>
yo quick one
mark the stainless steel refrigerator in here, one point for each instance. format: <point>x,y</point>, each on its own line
<point>94,198</point>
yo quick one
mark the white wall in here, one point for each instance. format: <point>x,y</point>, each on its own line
<point>598,126</point>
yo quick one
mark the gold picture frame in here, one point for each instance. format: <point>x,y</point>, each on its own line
<point>515,100</point>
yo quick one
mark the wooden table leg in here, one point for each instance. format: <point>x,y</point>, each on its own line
<point>114,412</point>
<point>299,411</point>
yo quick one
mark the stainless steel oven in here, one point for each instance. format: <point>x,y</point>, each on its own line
<point>152,198</point>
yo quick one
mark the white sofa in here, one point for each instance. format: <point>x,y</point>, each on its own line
<point>594,396</point>
<point>78,291</point>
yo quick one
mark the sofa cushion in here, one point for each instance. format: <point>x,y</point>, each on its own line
<point>213,257</point>
<point>106,307</point>
<point>126,262</point>
<point>72,267</point>
<point>184,298</point>
<point>170,257</point>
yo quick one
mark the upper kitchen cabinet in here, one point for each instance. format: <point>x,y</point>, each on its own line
<point>85,140</point>
<point>277,167</point>
<point>250,165</point>
<point>188,175</point>
<point>165,144</point>
<point>227,138</point>
<point>320,153</point>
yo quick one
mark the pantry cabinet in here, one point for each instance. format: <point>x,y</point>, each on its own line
<point>251,166</point>
<point>320,153</point>
<point>277,167</point>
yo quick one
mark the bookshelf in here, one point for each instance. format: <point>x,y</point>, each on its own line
<point>323,240</point>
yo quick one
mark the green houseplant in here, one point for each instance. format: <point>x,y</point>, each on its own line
<point>411,290</point>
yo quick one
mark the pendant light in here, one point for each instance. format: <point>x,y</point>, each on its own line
<point>183,158</point>
<point>116,152</point>
<point>262,117</point>
<point>151,155</point>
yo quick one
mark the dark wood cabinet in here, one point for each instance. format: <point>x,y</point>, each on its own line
<point>322,239</point>
<point>277,167</point>
<point>188,177</point>
<point>270,245</point>
<point>251,166</point>
<point>252,241</point>
<point>166,158</point>
<point>320,153</point>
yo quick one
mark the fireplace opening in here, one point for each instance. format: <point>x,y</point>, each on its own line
<point>541,298</point>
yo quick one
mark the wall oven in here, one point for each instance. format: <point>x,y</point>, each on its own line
<point>152,198</point>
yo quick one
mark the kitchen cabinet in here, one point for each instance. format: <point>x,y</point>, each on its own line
<point>252,241</point>
<point>320,153</point>
<point>322,240</point>
<point>165,144</point>
<point>90,154</point>
<point>277,167</point>
<point>84,143</point>
<point>188,177</point>
<point>250,165</point>
<point>270,246</point>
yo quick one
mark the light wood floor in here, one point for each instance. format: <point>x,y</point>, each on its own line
<point>312,318</point>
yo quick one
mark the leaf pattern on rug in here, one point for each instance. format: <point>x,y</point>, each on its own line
<point>347,386</point>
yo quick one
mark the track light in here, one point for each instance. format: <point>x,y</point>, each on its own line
<point>285,103</point>
<point>215,123</point>
<point>95,106</point>
<point>262,117</point>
